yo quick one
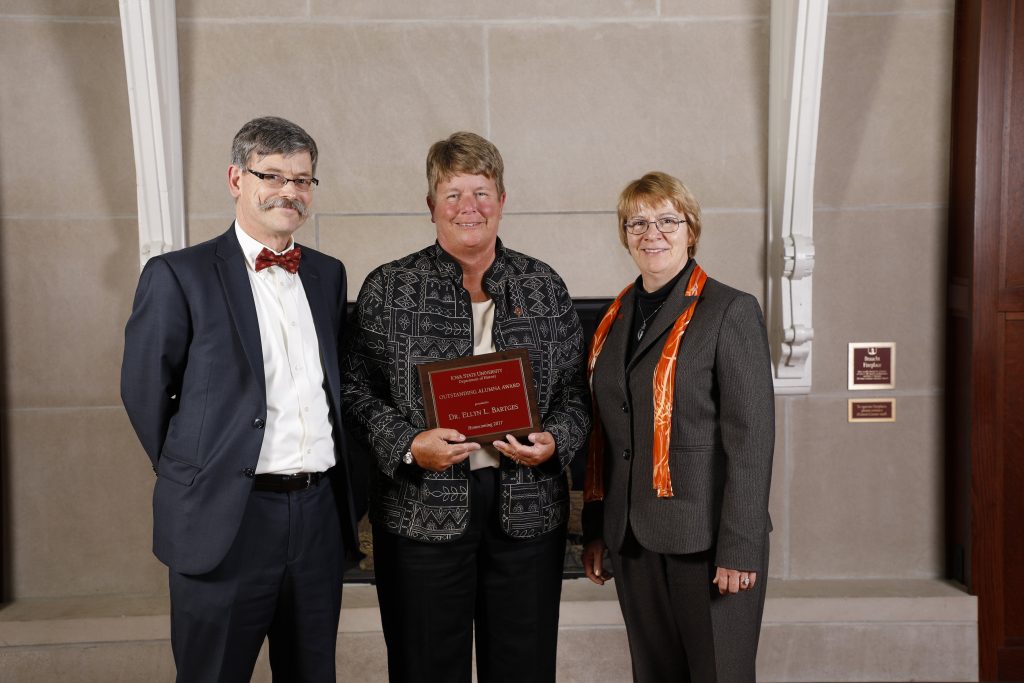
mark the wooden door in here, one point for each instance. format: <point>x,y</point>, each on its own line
<point>985,328</point>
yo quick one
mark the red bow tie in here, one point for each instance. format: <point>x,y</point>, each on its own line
<point>289,260</point>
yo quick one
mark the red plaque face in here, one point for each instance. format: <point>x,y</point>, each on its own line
<point>483,397</point>
<point>872,366</point>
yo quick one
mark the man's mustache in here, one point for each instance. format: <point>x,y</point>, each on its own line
<point>283,203</point>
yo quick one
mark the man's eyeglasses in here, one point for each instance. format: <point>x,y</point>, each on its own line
<point>276,181</point>
<point>638,226</point>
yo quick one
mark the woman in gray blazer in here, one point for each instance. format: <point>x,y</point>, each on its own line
<point>680,460</point>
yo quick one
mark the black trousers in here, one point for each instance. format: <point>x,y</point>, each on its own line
<point>433,596</point>
<point>679,627</point>
<point>281,579</point>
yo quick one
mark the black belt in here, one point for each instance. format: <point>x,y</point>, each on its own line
<point>283,483</point>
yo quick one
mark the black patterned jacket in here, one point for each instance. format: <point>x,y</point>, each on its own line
<point>415,310</point>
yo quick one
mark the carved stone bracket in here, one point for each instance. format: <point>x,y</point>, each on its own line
<point>797,54</point>
<point>149,33</point>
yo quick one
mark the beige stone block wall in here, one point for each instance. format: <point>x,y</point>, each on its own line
<point>866,500</point>
<point>581,97</point>
<point>76,483</point>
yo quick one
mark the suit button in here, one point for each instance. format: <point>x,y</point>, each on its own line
<point>249,472</point>
<point>258,423</point>
<point>625,454</point>
<point>625,407</point>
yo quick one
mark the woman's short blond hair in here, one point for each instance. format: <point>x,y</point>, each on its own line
<point>653,189</point>
<point>464,153</point>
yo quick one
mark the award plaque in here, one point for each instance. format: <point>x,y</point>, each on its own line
<point>484,397</point>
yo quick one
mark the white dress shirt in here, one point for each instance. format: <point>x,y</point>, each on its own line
<point>298,435</point>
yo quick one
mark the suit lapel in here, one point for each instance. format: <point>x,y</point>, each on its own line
<point>617,343</point>
<point>238,292</point>
<point>325,334</point>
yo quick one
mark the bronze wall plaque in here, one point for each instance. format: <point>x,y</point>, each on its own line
<point>872,410</point>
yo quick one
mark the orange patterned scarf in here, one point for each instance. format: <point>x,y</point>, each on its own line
<point>664,388</point>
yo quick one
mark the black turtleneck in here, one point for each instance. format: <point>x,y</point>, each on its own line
<point>647,305</point>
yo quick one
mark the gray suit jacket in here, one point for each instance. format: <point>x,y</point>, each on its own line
<point>723,431</point>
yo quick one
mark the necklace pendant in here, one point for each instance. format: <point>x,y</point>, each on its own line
<point>640,332</point>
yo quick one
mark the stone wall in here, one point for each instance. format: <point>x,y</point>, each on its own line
<point>581,97</point>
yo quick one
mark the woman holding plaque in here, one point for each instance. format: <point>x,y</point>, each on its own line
<point>680,460</point>
<point>469,534</point>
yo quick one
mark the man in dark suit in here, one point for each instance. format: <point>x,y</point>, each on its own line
<point>231,380</point>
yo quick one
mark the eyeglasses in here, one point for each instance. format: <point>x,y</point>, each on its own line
<point>276,181</point>
<point>638,226</point>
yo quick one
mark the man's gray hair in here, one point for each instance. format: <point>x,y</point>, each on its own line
<point>270,135</point>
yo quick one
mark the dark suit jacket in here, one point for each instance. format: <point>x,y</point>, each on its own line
<point>192,382</point>
<point>723,431</point>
